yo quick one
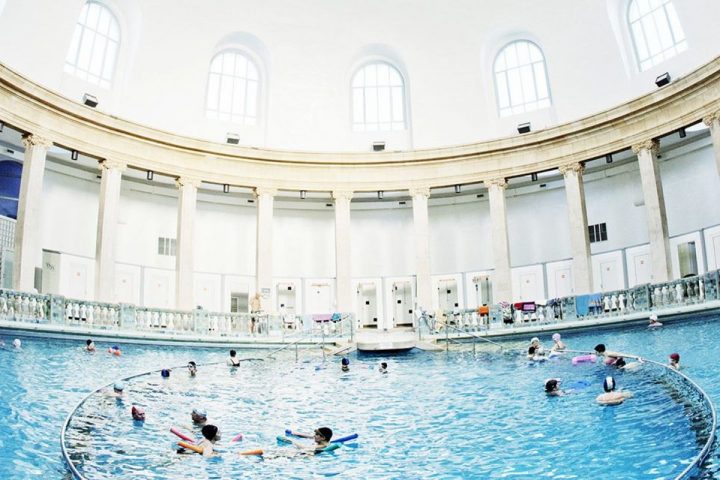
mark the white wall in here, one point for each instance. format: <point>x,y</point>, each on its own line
<point>309,50</point>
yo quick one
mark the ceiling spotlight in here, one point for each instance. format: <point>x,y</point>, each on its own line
<point>74,154</point>
<point>90,100</point>
<point>682,133</point>
<point>608,158</point>
<point>232,138</point>
<point>524,127</point>
<point>2,125</point>
<point>150,175</point>
<point>533,177</point>
<point>303,194</point>
<point>457,188</point>
<point>663,79</point>
<point>381,194</point>
<point>226,188</point>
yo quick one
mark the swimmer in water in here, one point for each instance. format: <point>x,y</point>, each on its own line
<point>17,344</point>
<point>138,413</point>
<point>211,434</point>
<point>115,350</point>
<point>535,342</point>
<point>165,373</point>
<point>118,390</point>
<point>611,397</point>
<point>552,388</point>
<point>558,344</point>
<point>383,367</point>
<point>192,368</point>
<point>233,361</point>
<point>653,321</point>
<point>674,361</point>
<point>321,436</point>
<point>345,364</point>
<point>89,346</point>
<point>199,416</point>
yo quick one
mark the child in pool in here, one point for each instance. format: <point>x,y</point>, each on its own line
<point>552,388</point>
<point>321,436</point>
<point>674,361</point>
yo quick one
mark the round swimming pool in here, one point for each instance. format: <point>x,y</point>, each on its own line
<point>433,415</point>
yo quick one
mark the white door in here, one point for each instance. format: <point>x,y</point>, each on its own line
<point>78,281</point>
<point>403,307</point>
<point>528,287</point>
<point>609,276</point>
<point>563,283</point>
<point>158,291</point>
<point>642,269</point>
<point>125,287</point>
<point>367,305</point>
<point>447,294</point>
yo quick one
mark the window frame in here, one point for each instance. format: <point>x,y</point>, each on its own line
<point>72,67</point>
<point>405,107</point>
<point>510,107</point>
<point>243,116</point>
<point>677,47</point>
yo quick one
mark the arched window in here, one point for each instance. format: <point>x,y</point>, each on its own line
<point>95,43</point>
<point>233,88</point>
<point>378,93</point>
<point>656,31</point>
<point>521,82</point>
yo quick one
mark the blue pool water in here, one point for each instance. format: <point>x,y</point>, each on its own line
<point>435,415</point>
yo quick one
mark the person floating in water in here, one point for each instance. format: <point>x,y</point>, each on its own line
<point>115,350</point>
<point>653,321</point>
<point>233,361</point>
<point>321,436</point>
<point>674,361</point>
<point>89,346</point>
<point>383,367</point>
<point>552,388</point>
<point>345,364</point>
<point>211,434</point>
<point>611,397</point>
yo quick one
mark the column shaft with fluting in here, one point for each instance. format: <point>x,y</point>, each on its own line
<point>185,251</point>
<point>343,268</point>
<point>501,279</point>
<point>264,260</point>
<point>421,224</point>
<point>108,209</point>
<point>579,237</point>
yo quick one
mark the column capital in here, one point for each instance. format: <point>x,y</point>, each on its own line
<point>652,145</point>
<point>36,140</point>
<point>112,164</point>
<point>419,192</point>
<point>572,167</point>
<point>342,195</point>
<point>712,119</point>
<point>499,182</point>
<point>264,191</point>
<point>186,181</point>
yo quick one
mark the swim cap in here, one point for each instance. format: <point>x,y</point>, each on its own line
<point>675,356</point>
<point>600,348</point>
<point>620,362</point>
<point>209,431</point>
<point>653,317</point>
<point>556,337</point>
<point>115,347</point>
<point>325,432</point>
<point>119,386</point>
<point>346,361</point>
<point>535,339</point>
<point>17,343</point>
<point>165,373</point>
<point>609,384</point>
<point>199,412</point>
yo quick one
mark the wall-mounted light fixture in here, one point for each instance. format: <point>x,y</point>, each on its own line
<point>608,158</point>
<point>303,194</point>
<point>381,194</point>
<point>524,127</point>
<point>378,146</point>
<point>682,133</point>
<point>150,175</point>
<point>663,79</point>
<point>533,177</point>
<point>458,189</point>
<point>226,188</point>
<point>232,138</point>
<point>90,100</point>
<point>74,154</point>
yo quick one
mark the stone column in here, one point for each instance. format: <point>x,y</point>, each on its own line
<point>264,267</point>
<point>184,259</point>
<point>27,228</point>
<point>111,172</point>
<point>343,270</point>
<point>579,237</point>
<point>422,247</point>
<point>654,210</point>
<point>502,279</point>
<point>713,121</point>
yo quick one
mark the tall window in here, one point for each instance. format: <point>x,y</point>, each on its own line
<point>233,88</point>
<point>521,81</point>
<point>95,43</point>
<point>656,31</point>
<point>378,93</point>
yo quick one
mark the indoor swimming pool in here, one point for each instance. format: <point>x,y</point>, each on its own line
<point>434,415</point>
